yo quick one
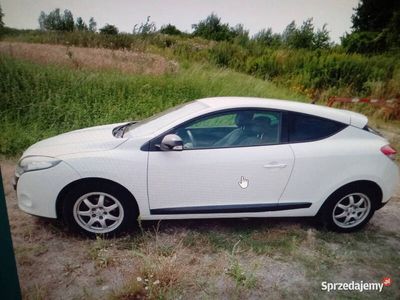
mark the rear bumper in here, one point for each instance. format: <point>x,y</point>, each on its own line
<point>389,180</point>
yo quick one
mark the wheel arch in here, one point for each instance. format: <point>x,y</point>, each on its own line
<point>369,185</point>
<point>82,181</point>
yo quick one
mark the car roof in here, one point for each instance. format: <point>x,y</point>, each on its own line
<point>343,116</point>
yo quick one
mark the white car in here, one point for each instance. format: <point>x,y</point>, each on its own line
<point>212,158</point>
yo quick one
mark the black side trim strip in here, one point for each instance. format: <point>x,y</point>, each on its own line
<point>224,209</point>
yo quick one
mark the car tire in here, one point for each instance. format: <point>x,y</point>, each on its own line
<point>349,209</point>
<point>99,208</point>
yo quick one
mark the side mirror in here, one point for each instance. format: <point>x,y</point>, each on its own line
<point>171,142</point>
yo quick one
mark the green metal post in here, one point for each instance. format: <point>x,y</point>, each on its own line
<point>9,283</point>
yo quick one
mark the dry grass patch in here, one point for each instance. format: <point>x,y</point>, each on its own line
<point>90,58</point>
<point>165,268</point>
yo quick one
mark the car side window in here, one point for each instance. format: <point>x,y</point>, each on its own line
<point>224,120</point>
<point>232,129</point>
<point>305,128</point>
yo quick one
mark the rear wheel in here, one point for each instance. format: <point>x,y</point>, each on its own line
<point>349,209</point>
<point>98,208</point>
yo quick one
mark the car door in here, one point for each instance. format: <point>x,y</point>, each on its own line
<point>232,161</point>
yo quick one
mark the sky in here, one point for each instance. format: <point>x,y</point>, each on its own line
<point>253,14</point>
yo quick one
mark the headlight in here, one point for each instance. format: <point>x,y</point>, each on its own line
<point>33,163</point>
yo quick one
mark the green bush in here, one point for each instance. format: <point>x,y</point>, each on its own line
<point>228,55</point>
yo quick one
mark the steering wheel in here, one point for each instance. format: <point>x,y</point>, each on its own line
<point>186,136</point>
<point>190,135</point>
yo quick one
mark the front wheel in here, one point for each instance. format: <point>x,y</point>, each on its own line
<point>348,210</point>
<point>97,208</point>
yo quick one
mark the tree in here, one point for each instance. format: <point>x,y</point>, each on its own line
<point>363,42</point>
<point>170,29</point>
<point>240,34</point>
<point>393,32</point>
<point>374,15</point>
<point>56,20</point>
<point>67,21</point>
<point>80,25</point>
<point>299,37</point>
<point>305,36</point>
<point>92,25</point>
<point>53,20</point>
<point>42,20</point>
<point>145,28</point>
<point>109,29</point>
<point>289,32</point>
<point>322,39</point>
<point>267,38</point>
<point>376,27</point>
<point>211,28</point>
<point>1,19</point>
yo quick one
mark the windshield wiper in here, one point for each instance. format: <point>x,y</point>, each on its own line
<point>120,130</point>
<point>126,126</point>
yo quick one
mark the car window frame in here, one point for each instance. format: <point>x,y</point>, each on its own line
<point>286,120</point>
<point>151,145</point>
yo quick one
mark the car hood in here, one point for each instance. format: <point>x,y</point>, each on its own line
<point>98,138</point>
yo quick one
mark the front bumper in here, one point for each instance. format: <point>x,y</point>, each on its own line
<point>37,191</point>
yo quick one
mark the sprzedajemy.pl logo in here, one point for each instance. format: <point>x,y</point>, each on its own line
<point>360,286</point>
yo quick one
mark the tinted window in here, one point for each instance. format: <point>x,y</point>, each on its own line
<point>232,129</point>
<point>304,128</point>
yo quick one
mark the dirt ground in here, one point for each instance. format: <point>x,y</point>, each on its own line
<point>202,259</point>
<point>90,58</point>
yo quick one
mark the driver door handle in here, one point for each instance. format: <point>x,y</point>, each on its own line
<point>275,165</point>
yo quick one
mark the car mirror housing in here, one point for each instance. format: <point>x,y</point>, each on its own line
<point>171,142</point>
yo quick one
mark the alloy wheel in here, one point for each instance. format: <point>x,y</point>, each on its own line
<point>351,210</point>
<point>98,212</point>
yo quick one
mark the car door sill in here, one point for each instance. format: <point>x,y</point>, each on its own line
<point>224,209</point>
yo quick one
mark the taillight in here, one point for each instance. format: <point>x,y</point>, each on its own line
<point>389,151</point>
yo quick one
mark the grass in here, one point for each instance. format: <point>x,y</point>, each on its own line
<point>200,261</point>
<point>318,74</point>
<point>38,101</point>
<point>241,277</point>
<point>26,255</point>
<point>36,292</point>
<point>99,253</point>
<point>259,241</point>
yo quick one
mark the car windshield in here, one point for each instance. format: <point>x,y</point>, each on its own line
<point>158,121</point>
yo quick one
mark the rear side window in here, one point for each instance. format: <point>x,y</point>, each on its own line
<point>306,128</point>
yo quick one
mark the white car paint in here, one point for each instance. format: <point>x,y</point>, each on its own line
<point>213,176</point>
<point>312,170</point>
<point>99,138</point>
<point>315,167</point>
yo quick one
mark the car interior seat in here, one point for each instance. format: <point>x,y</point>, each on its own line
<point>261,131</point>
<point>235,137</point>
